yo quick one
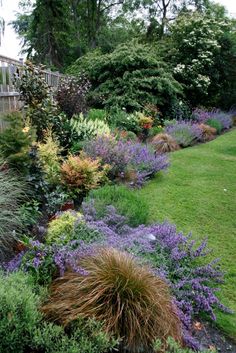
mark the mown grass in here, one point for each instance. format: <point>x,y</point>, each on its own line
<point>198,194</point>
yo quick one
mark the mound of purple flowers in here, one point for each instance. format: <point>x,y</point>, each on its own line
<point>171,255</point>
<point>225,119</point>
<point>185,133</point>
<point>124,156</point>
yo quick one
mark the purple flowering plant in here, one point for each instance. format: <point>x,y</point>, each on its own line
<point>172,256</point>
<point>123,156</point>
<point>224,118</point>
<point>185,133</point>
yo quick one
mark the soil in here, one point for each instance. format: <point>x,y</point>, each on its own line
<point>211,337</point>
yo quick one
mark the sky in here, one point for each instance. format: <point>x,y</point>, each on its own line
<point>11,46</point>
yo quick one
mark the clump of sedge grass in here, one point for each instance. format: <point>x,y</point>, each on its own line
<point>133,303</point>
<point>164,143</point>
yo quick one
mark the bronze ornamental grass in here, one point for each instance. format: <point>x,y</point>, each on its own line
<point>133,303</point>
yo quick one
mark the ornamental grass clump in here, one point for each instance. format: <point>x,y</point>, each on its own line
<point>12,193</point>
<point>133,303</point>
<point>208,132</point>
<point>82,173</point>
<point>164,143</point>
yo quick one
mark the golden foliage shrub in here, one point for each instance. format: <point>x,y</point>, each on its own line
<point>83,173</point>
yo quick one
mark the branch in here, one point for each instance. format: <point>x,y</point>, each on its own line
<point>113,4</point>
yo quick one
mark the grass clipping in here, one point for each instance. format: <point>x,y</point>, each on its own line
<point>133,303</point>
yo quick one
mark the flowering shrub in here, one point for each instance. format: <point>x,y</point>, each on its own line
<point>124,156</point>
<point>172,255</point>
<point>83,173</point>
<point>185,133</point>
<point>224,118</point>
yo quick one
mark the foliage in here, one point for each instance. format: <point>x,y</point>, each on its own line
<point>18,311</point>
<point>85,129</point>
<point>85,336</point>
<point>208,132</point>
<point>119,292</point>
<point>37,97</point>
<point>71,95</point>
<point>97,114</point>
<point>30,213</point>
<point>124,199</point>
<point>129,161</point>
<point>82,173</point>
<point>22,328</point>
<point>49,158</point>
<point>129,77</point>
<point>215,124</point>
<point>120,119</point>
<point>70,226</point>
<point>15,141</point>
<point>164,143</point>
<point>12,192</point>
<point>185,133</point>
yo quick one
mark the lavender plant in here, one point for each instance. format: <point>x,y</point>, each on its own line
<point>185,133</point>
<point>124,156</point>
<point>172,255</point>
<point>202,116</point>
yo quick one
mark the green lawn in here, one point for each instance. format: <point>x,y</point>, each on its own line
<point>198,194</point>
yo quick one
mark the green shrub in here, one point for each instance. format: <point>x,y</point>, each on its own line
<point>84,337</point>
<point>126,201</point>
<point>15,141</point>
<point>18,312</point>
<point>129,77</point>
<point>216,124</point>
<point>12,192</point>
<point>97,114</point>
<point>85,129</point>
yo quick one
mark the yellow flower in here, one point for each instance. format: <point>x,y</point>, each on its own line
<point>26,129</point>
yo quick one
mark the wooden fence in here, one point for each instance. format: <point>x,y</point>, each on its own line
<point>9,97</point>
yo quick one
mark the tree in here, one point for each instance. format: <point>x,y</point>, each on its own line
<point>203,55</point>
